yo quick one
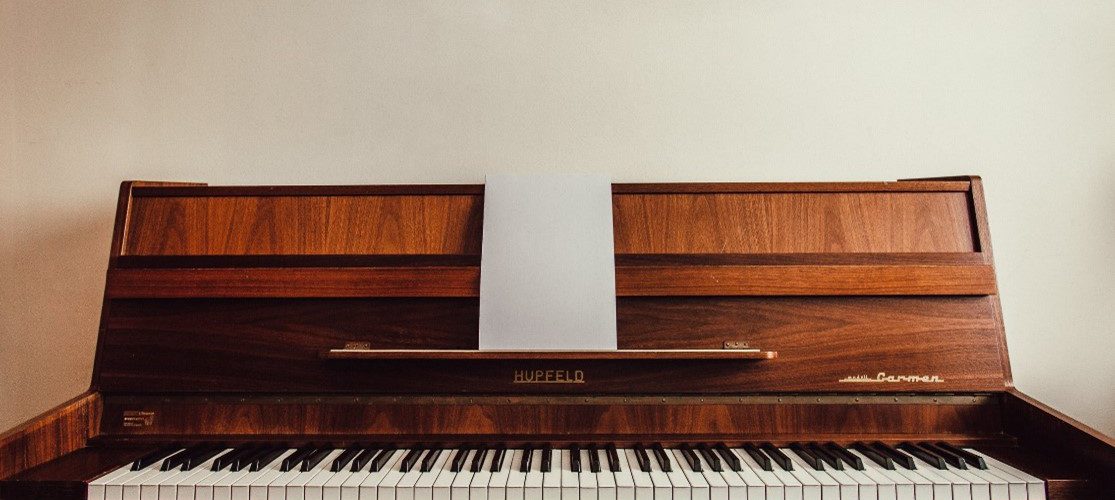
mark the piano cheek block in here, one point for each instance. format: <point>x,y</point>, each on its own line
<point>261,341</point>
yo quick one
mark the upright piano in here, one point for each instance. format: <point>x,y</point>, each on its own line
<point>776,341</point>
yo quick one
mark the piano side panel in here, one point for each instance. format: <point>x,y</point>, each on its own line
<point>273,345</point>
<point>50,435</point>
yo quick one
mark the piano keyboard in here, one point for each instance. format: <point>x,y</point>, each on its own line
<point>805,471</point>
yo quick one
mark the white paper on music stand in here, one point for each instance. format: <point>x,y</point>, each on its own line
<point>547,267</point>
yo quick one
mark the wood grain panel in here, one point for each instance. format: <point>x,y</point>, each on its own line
<point>792,223</point>
<point>483,421</point>
<point>291,225</point>
<point>274,345</point>
<point>50,435</point>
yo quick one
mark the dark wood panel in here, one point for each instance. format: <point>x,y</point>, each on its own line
<point>274,345</point>
<point>288,225</point>
<point>792,223</point>
<point>480,419</point>
<point>50,435</point>
<point>631,281</point>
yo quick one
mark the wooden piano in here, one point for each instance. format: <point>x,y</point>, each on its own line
<point>776,341</point>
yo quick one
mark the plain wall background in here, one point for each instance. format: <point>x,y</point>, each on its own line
<point>398,91</point>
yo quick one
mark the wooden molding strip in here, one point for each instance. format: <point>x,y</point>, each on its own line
<point>631,281</point>
<point>56,432</point>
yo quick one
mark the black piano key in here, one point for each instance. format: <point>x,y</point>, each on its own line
<point>758,456</point>
<point>711,459</point>
<point>593,459</point>
<point>196,461</point>
<point>178,459</point>
<point>808,456</point>
<point>295,459</point>
<point>245,460</point>
<point>780,458</point>
<point>547,459</point>
<point>265,459</point>
<point>972,459</point>
<point>923,455</point>
<point>225,461</point>
<point>430,459</point>
<point>643,459</point>
<point>883,460</point>
<point>575,459</point>
<point>154,457</point>
<point>380,460</point>
<point>314,458</point>
<point>663,458</point>
<point>728,456</point>
<point>345,458</point>
<point>497,459</point>
<point>409,460</point>
<point>691,458</point>
<point>949,457</point>
<point>899,458</point>
<point>364,458</point>
<point>528,457</point>
<point>459,460</point>
<point>478,459</point>
<point>843,454</point>
<point>823,454</point>
<point>613,458</point>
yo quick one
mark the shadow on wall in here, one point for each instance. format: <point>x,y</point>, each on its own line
<point>51,282</point>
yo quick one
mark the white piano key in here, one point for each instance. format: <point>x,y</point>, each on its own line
<point>979,487</point>
<point>663,488</point>
<point>868,488</point>
<point>131,487</point>
<point>942,488</point>
<point>516,478</point>
<point>961,489</point>
<point>293,486</point>
<point>791,488</point>
<point>388,475</point>
<point>351,486</point>
<point>205,486</point>
<point>849,488</point>
<point>570,483</point>
<point>812,488</point>
<point>606,487</point>
<point>442,487</point>
<point>717,486</point>
<point>551,481</point>
<point>328,484</point>
<point>755,487</point>
<point>587,479</point>
<point>695,481</point>
<point>736,488</point>
<point>680,485</point>
<point>533,485</point>
<point>1035,488</point>
<point>424,486</point>
<point>642,488</point>
<point>497,485</point>
<point>463,479</point>
<point>902,486</point>
<point>242,488</point>
<point>388,487</point>
<point>773,487</point>
<point>478,487</point>
<point>97,487</point>
<point>182,485</point>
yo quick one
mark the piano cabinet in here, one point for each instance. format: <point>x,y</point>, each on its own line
<point>873,307</point>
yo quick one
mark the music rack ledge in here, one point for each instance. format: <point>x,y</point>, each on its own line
<point>618,355</point>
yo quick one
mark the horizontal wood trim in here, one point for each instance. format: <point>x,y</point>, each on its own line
<point>61,430</point>
<point>618,355</point>
<point>631,281</point>
<point>1042,427</point>
<point>172,189</point>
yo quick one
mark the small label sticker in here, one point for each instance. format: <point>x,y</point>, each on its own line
<point>135,418</point>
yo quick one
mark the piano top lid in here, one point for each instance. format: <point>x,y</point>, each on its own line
<point>860,287</point>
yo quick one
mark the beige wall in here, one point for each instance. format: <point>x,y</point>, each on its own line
<point>1021,92</point>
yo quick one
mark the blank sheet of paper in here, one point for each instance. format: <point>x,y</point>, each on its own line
<point>547,266</point>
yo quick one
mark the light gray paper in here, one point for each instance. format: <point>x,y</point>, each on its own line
<point>547,267</point>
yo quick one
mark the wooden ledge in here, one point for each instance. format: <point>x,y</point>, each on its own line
<point>619,355</point>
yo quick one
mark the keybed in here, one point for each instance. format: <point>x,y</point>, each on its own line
<point>801,471</point>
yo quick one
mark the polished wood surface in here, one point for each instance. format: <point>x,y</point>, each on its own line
<point>222,304</point>
<point>55,433</point>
